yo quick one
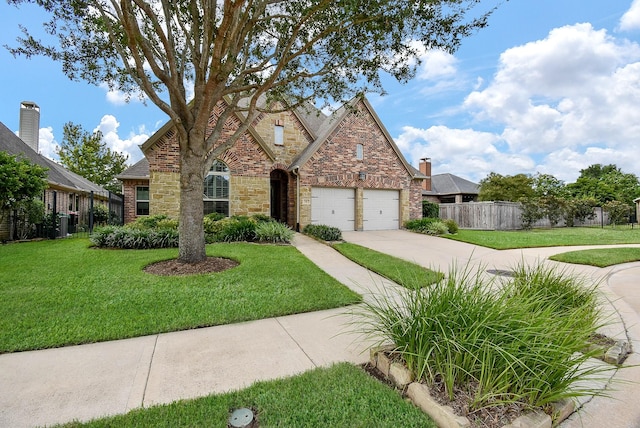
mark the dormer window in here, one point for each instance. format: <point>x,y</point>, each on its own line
<point>278,133</point>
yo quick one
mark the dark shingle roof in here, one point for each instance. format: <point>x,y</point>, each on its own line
<point>449,184</point>
<point>56,174</point>
<point>139,170</point>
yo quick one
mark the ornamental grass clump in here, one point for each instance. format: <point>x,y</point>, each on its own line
<point>512,341</point>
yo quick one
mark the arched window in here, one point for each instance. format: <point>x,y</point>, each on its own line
<point>216,189</point>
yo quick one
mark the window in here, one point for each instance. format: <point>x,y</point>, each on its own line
<point>142,200</point>
<point>359,152</point>
<point>278,134</point>
<point>216,189</point>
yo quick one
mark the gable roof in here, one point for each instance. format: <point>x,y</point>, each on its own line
<point>331,122</point>
<point>137,171</point>
<point>56,175</point>
<point>449,184</point>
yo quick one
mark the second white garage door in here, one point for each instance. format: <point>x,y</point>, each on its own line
<point>333,207</point>
<point>381,209</point>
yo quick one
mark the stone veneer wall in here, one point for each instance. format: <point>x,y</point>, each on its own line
<point>295,140</point>
<point>249,195</point>
<point>164,196</point>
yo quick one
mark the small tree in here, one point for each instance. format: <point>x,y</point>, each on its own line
<point>20,181</point>
<point>618,212</point>
<point>27,214</point>
<point>531,212</point>
<point>580,210</point>
<point>88,156</point>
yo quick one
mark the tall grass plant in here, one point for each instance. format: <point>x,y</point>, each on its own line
<point>502,341</point>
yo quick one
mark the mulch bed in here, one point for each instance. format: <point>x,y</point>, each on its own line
<point>491,417</point>
<point>173,267</point>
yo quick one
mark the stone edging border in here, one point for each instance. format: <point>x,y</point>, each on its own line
<point>445,417</point>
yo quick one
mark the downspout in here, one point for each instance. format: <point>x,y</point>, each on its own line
<point>296,172</point>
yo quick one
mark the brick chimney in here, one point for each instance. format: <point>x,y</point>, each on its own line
<point>425,169</point>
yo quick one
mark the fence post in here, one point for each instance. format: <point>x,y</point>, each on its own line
<point>90,212</point>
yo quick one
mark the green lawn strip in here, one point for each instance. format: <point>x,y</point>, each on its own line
<point>600,257</point>
<point>59,293</point>
<point>339,396</point>
<point>565,236</point>
<point>402,272</point>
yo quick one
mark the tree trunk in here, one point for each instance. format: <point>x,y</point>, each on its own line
<point>191,229</point>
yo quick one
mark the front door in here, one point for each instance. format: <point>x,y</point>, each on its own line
<point>279,202</point>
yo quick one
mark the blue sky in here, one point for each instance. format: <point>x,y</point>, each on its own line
<point>549,86</point>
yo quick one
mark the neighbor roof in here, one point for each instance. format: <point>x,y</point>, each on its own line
<point>56,174</point>
<point>449,184</point>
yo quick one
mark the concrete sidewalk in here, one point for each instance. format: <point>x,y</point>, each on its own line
<point>89,381</point>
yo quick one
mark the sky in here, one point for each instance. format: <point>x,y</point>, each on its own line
<point>548,87</point>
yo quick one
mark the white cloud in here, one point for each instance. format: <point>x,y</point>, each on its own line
<point>464,152</point>
<point>577,88</point>
<point>119,98</point>
<point>631,19</point>
<point>437,64</point>
<point>47,145</point>
<point>128,146</point>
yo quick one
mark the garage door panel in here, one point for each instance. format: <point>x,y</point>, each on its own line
<point>333,207</point>
<point>381,209</point>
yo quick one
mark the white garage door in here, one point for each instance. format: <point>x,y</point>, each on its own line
<point>381,209</point>
<point>333,207</point>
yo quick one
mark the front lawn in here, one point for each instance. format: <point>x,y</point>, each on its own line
<point>503,240</point>
<point>402,272</point>
<point>600,257</point>
<point>340,396</point>
<point>59,293</point>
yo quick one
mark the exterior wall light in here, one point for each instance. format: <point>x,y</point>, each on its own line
<point>362,175</point>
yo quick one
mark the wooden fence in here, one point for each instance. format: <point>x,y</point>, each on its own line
<point>501,216</point>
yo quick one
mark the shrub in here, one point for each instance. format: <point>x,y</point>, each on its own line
<point>132,238</point>
<point>323,232</point>
<point>274,232</point>
<point>214,216</point>
<point>521,342</point>
<point>238,229</point>
<point>148,222</point>
<point>452,226</point>
<point>262,218</point>
<point>430,209</point>
<point>429,226</point>
<point>100,214</point>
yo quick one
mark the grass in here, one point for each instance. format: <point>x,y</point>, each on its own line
<point>503,240</point>
<point>402,272</point>
<point>59,293</point>
<point>517,341</point>
<point>600,257</point>
<point>339,396</point>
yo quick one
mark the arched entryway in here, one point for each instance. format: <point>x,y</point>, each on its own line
<point>279,191</point>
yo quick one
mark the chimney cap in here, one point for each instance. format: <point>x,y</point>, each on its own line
<point>425,159</point>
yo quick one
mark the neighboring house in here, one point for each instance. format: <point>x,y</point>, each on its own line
<point>446,188</point>
<point>299,167</point>
<point>67,193</point>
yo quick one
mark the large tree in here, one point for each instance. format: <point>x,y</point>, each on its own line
<point>498,187</point>
<point>606,183</point>
<point>243,56</point>
<point>87,155</point>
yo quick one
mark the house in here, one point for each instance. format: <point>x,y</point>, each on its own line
<point>299,166</point>
<point>446,188</point>
<point>67,194</point>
